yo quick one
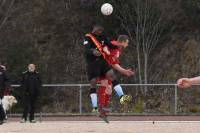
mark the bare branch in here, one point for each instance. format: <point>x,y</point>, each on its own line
<point>7,14</point>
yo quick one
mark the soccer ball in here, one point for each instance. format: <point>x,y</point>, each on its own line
<point>106,9</point>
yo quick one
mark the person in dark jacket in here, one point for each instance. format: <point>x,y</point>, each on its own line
<point>3,84</point>
<point>31,83</point>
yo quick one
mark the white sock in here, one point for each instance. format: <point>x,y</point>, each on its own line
<point>119,90</point>
<point>93,97</point>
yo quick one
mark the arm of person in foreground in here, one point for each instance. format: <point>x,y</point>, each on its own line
<point>188,82</point>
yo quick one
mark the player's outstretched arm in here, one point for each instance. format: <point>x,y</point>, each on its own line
<point>126,72</point>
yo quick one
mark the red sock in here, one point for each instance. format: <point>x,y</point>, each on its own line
<point>107,100</point>
<point>102,96</point>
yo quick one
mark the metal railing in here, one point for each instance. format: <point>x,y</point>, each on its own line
<point>80,87</point>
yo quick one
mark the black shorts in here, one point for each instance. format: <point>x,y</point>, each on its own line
<point>97,68</point>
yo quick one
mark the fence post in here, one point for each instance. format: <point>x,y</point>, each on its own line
<point>175,100</point>
<point>80,99</point>
<point>40,116</point>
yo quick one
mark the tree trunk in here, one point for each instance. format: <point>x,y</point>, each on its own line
<point>146,71</point>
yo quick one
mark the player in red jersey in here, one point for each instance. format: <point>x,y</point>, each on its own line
<point>105,89</point>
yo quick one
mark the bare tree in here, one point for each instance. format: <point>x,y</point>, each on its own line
<point>142,21</point>
<point>7,6</point>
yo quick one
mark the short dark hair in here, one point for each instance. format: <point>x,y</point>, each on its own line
<point>97,27</point>
<point>122,38</point>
